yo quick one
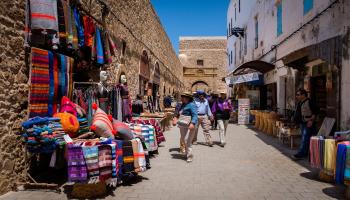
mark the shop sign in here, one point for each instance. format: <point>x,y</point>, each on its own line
<point>243,111</point>
<point>245,78</point>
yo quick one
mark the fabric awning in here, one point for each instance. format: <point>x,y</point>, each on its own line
<point>253,66</point>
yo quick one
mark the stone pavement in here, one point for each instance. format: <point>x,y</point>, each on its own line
<point>251,166</point>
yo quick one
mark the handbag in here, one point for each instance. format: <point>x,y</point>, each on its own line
<point>184,121</point>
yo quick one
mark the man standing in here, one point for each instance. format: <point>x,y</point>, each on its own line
<point>204,114</point>
<point>304,116</point>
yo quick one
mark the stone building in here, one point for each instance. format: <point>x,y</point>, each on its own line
<point>204,63</point>
<point>140,34</point>
<point>294,44</point>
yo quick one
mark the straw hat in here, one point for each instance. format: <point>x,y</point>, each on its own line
<point>187,94</point>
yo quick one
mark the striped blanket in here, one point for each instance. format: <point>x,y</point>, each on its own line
<point>40,82</point>
<point>77,171</point>
<point>105,161</point>
<point>91,159</point>
<point>128,157</point>
<point>51,79</point>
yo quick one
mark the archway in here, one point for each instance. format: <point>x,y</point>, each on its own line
<point>200,85</point>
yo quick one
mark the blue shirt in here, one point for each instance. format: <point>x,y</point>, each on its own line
<point>189,109</point>
<point>203,107</point>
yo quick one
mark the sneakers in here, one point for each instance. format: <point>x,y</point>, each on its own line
<point>208,140</point>
<point>189,160</point>
<point>195,143</point>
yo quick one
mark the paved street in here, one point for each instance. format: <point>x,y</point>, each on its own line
<point>251,166</point>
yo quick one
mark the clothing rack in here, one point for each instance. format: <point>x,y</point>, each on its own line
<point>83,83</point>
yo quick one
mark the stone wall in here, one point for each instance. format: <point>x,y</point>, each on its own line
<point>134,22</point>
<point>212,50</point>
<point>13,92</point>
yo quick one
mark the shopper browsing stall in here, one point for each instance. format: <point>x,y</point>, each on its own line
<point>187,118</point>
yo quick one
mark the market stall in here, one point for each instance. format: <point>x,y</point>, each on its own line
<point>81,123</point>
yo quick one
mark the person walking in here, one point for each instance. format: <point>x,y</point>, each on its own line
<point>305,116</point>
<point>212,99</point>
<point>187,118</point>
<point>204,114</point>
<point>222,108</point>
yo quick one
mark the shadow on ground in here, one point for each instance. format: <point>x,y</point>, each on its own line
<point>337,191</point>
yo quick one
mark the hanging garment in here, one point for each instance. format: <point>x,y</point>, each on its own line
<point>120,102</point>
<point>341,162</point>
<point>107,52</point>
<point>105,161</point>
<point>75,40</point>
<point>91,159</point>
<point>40,83</point>
<point>80,28</point>
<point>329,156</point>
<point>77,171</point>
<point>315,152</point>
<point>43,14</point>
<point>89,30</point>
<point>112,46</point>
<point>99,47</point>
<point>62,23</point>
<point>347,165</point>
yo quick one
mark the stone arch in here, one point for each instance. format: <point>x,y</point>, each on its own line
<point>200,85</point>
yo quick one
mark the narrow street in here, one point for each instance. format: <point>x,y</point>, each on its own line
<point>251,166</point>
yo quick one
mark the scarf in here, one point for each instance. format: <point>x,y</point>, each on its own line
<point>153,143</point>
<point>89,30</point>
<point>120,157</point>
<point>315,152</point>
<point>340,163</point>
<point>74,30</point>
<point>79,27</point>
<point>141,155</point>
<point>91,159</point>
<point>77,171</point>
<point>329,156</point>
<point>135,149</point>
<point>128,157</point>
<point>106,45</point>
<point>40,83</point>
<point>105,161</point>
<point>145,132</point>
<point>99,47</point>
<point>113,180</point>
<point>61,23</point>
<point>112,46</point>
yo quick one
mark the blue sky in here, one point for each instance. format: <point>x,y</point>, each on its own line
<point>192,18</point>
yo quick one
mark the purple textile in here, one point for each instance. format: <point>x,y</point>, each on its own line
<point>77,171</point>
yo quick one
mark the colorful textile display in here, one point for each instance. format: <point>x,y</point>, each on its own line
<point>80,28</point>
<point>98,47</point>
<point>77,171</point>
<point>102,125</point>
<point>69,122</point>
<point>341,162</point>
<point>123,130</point>
<point>62,23</point>
<point>329,156</point>
<point>158,130</point>
<point>141,155</point>
<point>114,180</point>
<point>120,158</point>
<point>315,159</point>
<point>347,165</point>
<point>89,30</point>
<point>40,83</point>
<point>105,161</point>
<point>128,157</point>
<point>91,159</point>
<point>68,106</point>
<point>50,80</point>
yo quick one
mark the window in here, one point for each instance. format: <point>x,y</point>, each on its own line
<point>231,58</point>
<point>231,26</point>
<point>235,14</point>
<point>239,5</point>
<point>279,19</point>
<point>256,33</point>
<point>308,5</point>
<point>240,48</point>
<point>200,62</point>
<point>235,53</point>
<point>245,41</point>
